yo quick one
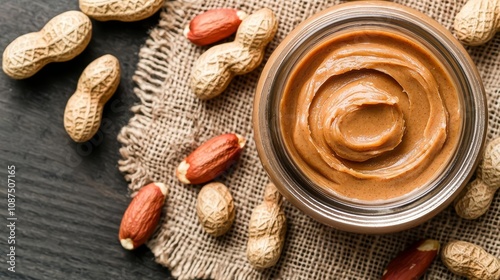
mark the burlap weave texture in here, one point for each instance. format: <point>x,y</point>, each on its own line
<point>170,122</point>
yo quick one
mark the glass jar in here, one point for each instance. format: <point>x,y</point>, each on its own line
<point>306,193</point>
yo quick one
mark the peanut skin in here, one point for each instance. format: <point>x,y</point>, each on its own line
<point>142,215</point>
<point>477,22</point>
<point>215,68</point>
<point>477,196</point>
<point>210,159</point>
<point>413,262</point>
<point>61,39</point>
<point>266,230</point>
<point>122,10</point>
<point>213,25</point>
<point>469,260</point>
<point>96,85</point>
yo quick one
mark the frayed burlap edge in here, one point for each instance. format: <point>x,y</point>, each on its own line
<point>149,92</point>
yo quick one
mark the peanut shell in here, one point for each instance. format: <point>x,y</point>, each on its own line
<point>215,209</point>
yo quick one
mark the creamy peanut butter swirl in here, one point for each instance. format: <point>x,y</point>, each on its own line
<point>369,108</point>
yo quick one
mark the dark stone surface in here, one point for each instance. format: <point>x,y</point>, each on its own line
<point>69,197</point>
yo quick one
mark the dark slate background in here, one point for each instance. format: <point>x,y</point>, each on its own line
<point>69,197</point>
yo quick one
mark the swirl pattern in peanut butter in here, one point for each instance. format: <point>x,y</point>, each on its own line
<point>370,115</point>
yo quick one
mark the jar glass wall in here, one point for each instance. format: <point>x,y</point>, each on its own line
<point>306,192</point>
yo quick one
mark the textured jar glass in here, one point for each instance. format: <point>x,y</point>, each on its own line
<point>357,216</point>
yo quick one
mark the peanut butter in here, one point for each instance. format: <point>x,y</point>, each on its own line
<point>370,115</point>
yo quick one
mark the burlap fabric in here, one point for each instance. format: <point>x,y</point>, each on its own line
<point>170,122</point>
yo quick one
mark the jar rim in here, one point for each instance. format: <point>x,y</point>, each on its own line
<point>385,218</point>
